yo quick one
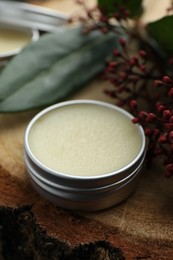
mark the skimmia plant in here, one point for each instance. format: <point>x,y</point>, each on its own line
<point>144,82</point>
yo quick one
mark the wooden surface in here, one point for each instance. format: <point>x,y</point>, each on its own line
<point>142,226</point>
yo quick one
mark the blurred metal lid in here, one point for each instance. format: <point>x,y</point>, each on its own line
<point>31,16</point>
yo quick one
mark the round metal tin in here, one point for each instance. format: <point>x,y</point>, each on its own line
<point>88,192</point>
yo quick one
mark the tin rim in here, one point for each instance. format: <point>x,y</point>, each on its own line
<point>78,188</point>
<point>74,177</point>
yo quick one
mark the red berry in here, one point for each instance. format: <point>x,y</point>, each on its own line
<point>143,54</point>
<point>133,104</point>
<point>156,132</point>
<point>166,79</point>
<point>150,117</point>
<point>135,120</point>
<point>148,132</point>
<point>133,61</point>
<point>116,53</point>
<point>163,138</point>
<point>168,126</point>
<point>142,114</point>
<point>160,108</point>
<point>122,42</point>
<point>142,67</point>
<point>166,114</point>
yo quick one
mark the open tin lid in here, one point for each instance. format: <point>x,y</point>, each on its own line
<point>31,16</point>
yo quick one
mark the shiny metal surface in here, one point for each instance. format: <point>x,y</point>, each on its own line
<point>84,193</point>
<point>79,189</point>
<point>85,203</point>
<point>31,16</point>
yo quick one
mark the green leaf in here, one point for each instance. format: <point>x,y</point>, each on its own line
<point>110,6</point>
<point>161,31</point>
<point>48,70</point>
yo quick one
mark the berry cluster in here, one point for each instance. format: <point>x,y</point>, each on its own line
<point>129,75</point>
<point>139,83</point>
<point>97,18</point>
<point>150,100</point>
<point>158,124</point>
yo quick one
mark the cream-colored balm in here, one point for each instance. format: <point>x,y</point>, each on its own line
<point>84,140</point>
<point>11,39</point>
